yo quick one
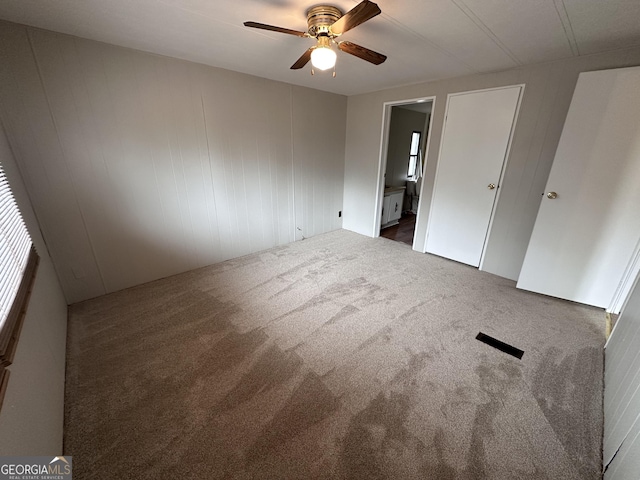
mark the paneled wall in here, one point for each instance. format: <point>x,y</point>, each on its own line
<point>319,129</point>
<point>622,395</point>
<point>546,100</point>
<point>141,166</point>
<point>32,412</point>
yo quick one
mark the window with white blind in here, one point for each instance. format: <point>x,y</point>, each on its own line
<point>18,261</point>
<point>415,160</point>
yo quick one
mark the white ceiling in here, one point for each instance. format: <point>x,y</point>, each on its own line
<point>424,39</point>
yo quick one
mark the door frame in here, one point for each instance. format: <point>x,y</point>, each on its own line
<point>632,285</point>
<point>502,170</point>
<point>630,276</point>
<point>382,158</point>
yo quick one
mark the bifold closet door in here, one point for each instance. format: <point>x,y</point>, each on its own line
<point>588,225</point>
<point>475,141</point>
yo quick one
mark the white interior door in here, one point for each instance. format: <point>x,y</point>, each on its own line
<point>474,145</point>
<point>584,239</point>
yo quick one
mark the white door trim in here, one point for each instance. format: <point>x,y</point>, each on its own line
<point>626,283</point>
<point>382,157</point>
<point>633,285</point>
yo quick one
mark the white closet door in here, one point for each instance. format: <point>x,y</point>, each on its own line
<point>474,145</point>
<point>585,237</point>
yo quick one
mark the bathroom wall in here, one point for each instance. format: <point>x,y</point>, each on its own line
<point>403,123</point>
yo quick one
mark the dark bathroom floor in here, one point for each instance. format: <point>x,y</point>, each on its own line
<point>403,232</point>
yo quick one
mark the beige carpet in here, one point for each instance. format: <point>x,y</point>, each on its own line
<point>338,357</point>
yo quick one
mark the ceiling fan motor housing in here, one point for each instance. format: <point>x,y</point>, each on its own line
<point>320,18</point>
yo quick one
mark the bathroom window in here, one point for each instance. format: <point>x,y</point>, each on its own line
<point>415,167</point>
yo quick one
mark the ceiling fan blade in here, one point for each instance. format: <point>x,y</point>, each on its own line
<point>276,29</point>
<point>362,12</point>
<point>362,52</point>
<point>303,60</point>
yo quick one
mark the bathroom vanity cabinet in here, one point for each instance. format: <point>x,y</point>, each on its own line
<point>392,206</point>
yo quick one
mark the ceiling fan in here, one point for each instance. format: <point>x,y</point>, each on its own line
<point>326,23</point>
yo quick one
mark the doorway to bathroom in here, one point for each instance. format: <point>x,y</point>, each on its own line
<point>406,138</point>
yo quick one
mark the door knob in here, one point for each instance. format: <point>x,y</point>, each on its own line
<point>552,195</point>
<point>491,186</point>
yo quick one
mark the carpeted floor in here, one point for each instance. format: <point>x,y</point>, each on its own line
<point>337,357</point>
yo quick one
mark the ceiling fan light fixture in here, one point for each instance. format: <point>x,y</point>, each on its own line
<point>325,24</point>
<point>323,58</point>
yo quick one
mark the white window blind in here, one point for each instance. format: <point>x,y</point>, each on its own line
<point>17,265</point>
<point>414,171</point>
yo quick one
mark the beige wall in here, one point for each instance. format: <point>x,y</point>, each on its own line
<point>547,96</point>
<point>141,166</point>
<point>31,418</point>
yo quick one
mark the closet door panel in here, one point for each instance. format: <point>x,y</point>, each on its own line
<point>587,228</point>
<point>473,150</point>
